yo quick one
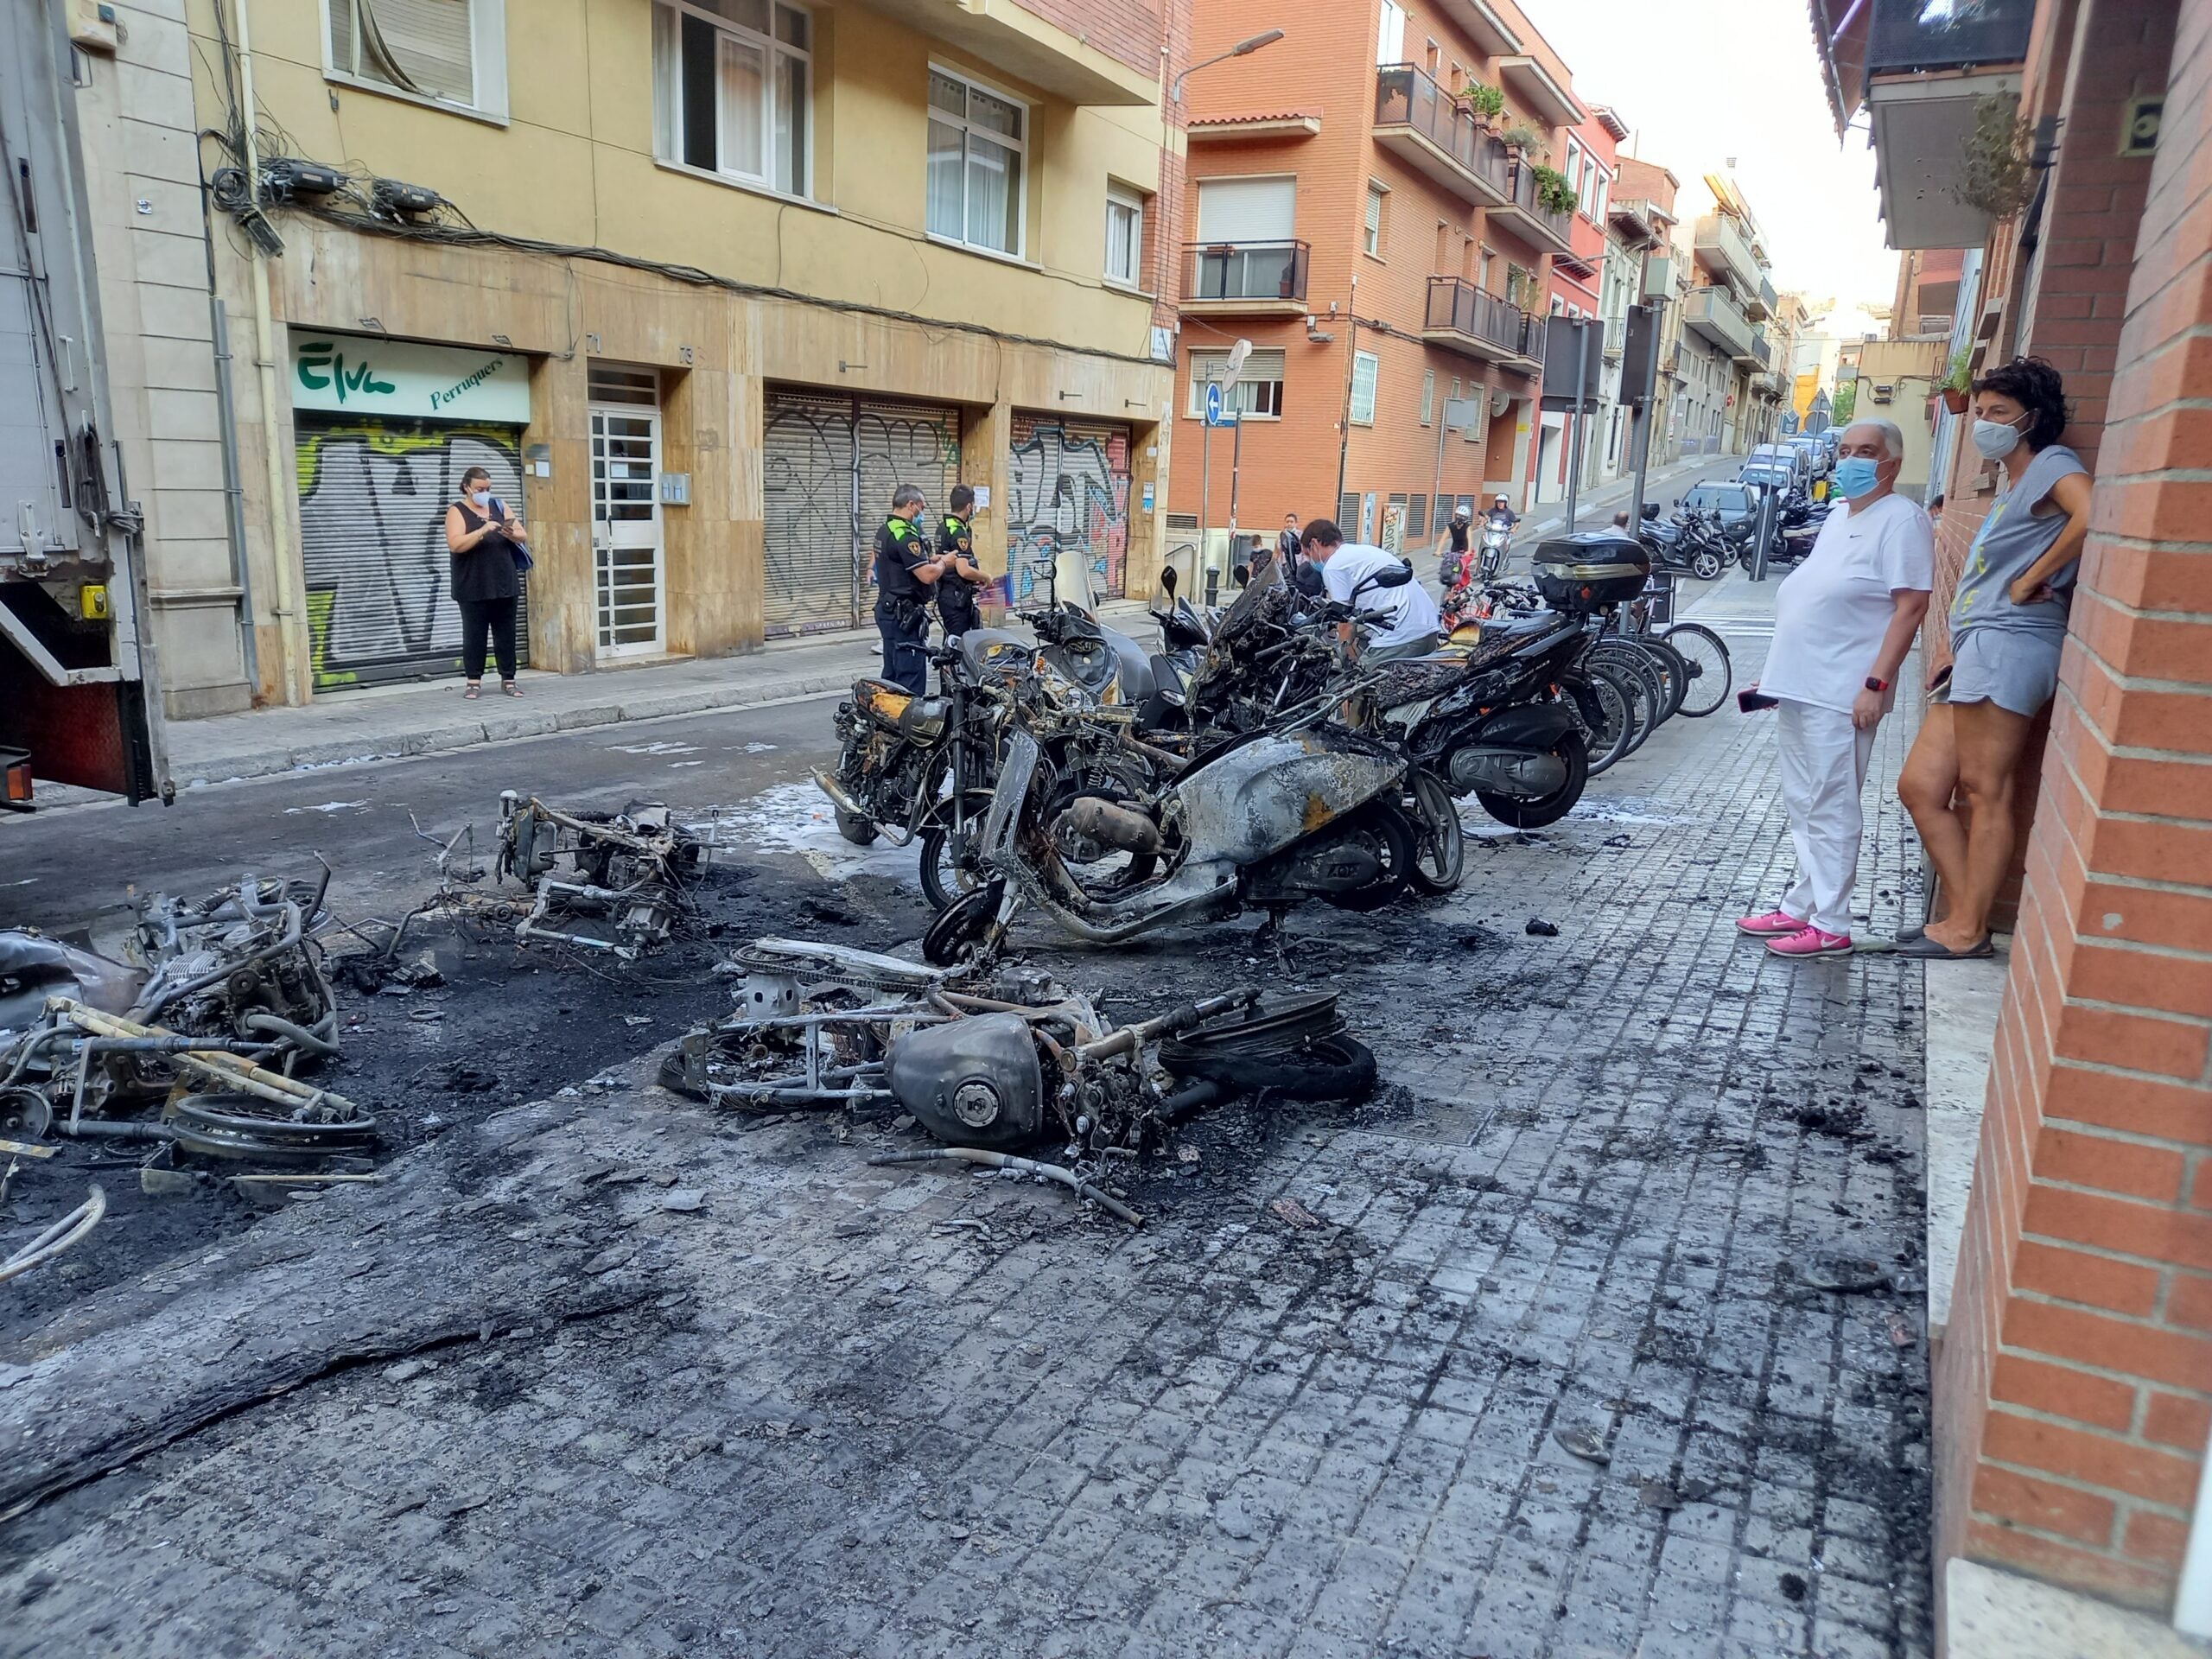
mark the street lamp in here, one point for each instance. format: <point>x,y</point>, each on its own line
<point>1242,48</point>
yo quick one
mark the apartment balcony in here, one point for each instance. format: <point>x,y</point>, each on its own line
<point>1616,339</point>
<point>1009,37</point>
<point>1770,384</point>
<point>1637,220</point>
<point>1244,279</point>
<point>1924,77</point>
<point>1521,213</point>
<point>1725,248</point>
<point>1431,132</point>
<point>1758,305</point>
<point>1462,318</point>
<point>1713,317</point>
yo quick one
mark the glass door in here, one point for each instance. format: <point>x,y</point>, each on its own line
<point>630,579</point>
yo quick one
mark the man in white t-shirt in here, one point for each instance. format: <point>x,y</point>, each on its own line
<point>1402,621</point>
<point>1843,621</point>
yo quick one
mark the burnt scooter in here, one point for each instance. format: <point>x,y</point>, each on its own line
<point>1303,807</point>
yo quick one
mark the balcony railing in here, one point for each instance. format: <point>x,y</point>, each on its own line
<point>1218,276</point>
<point>1714,315</point>
<point>1720,243</point>
<point>1408,97</point>
<point>1457,306</point>
<point>1904,38</point>
<point>1521,195</point>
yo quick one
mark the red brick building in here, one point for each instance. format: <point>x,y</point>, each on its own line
<point>2073,1386</point>
<point>1364,206</point>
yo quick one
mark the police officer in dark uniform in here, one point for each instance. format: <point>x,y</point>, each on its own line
<point>905,571</point>
<point>956,588</point>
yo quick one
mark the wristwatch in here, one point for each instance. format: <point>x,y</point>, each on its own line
<point>1873,684</point>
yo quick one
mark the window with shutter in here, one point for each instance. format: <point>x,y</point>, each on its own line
<point>442,51</point>
<point>1366,367</point>
<point>1374,194</point>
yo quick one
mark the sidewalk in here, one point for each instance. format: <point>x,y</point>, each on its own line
<point>377,724</point>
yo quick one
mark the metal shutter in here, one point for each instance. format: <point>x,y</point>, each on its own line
<point>374,496</point>
<point>829,463</point>
<point>1068,493</point>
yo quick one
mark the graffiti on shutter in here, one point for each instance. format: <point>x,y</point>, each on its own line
<point>829,465</point>
<point>374,496</point>
<point>1068,488</point>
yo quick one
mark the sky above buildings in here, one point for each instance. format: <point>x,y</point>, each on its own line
<point>1702,81</point>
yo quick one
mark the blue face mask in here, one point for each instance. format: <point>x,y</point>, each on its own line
<point>1855,475</point>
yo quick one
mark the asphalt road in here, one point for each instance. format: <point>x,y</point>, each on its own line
<point>73,869</point>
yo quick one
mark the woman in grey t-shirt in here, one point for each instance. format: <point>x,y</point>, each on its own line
<point>2008,626</point>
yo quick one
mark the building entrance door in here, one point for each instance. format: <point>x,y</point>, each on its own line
<point>629,572</point>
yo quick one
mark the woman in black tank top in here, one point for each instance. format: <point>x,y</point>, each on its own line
<point>486,579</point>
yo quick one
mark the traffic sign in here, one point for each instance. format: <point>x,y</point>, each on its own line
<point>1217,413</point>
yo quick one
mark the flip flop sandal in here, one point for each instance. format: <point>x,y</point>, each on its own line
<point>1927,949</point>
<point>472,694</point>
<point>511,689</point>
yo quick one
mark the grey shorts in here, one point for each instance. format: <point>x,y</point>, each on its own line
<point>2016,669</point>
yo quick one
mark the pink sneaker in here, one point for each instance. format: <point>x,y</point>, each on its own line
<point>1811,942</point>
<point>1775,922</point>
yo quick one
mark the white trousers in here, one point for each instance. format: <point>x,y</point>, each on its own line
<point>1823,769</point>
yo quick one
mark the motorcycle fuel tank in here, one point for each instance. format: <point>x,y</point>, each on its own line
<point>973,1082</point>
<point>1261,796</point>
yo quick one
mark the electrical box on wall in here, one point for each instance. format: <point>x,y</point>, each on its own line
<point>93,25</point>
<point>676,489</point>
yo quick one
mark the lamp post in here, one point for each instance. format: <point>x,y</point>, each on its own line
<point>1242,48</point>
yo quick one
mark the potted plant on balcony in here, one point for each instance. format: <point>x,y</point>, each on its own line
<point>1958,384</point>
<point>1554,193</point>
<point>1523,139</point>
<point>1484,103</point>
<point>1997,172</point>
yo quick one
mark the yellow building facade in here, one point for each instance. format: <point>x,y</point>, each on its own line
<point>701,281</point>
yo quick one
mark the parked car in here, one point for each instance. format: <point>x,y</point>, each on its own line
<point>1734,502</point>
<point>1795,466</point>
<point>1815,453</point>
<point>1769,473</point>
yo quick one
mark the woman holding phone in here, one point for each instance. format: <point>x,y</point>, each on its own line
<point>490,551</point>
<point>2008,627</point>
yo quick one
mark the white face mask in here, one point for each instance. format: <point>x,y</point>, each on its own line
<point>1995,439</point>
<point>481,498</point>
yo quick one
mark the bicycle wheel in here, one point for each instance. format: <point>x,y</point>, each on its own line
<point>1637,667</point>
<point>1710,672</point>
<point>1672,670</point>
<point>1615,722</point>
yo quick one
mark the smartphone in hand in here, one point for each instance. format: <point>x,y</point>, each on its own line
<point>1751,700</point>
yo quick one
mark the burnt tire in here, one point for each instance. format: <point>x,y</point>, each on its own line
<point>1328,1068</point>
<point>960,925</point>
<point>859,831</point>
<point>1526,814</point>
<point>944,881</point>
<point>1399,846</point>
<point>1441,857</point>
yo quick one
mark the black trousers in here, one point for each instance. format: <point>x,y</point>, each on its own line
<point>483,620</point>
<point>906,648</point>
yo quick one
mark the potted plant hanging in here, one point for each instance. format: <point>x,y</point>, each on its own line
<point>1484,103</point>
<point>1958,385</point>
<point>1554,193</point>
<point>1524,139</point>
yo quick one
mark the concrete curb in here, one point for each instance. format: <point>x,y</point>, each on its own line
<point>448,735</point>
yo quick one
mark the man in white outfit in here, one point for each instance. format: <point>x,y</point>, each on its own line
<point>1843,621</point>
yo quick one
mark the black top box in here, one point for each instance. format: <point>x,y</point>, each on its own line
<point>1591,569</point>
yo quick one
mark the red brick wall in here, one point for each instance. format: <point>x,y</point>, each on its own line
<point>1128,31</point>
<point>2074,1389</point>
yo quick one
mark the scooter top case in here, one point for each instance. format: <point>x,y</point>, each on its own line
<point>1591,569</point>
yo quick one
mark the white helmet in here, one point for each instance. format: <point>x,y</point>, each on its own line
<point>1461,511</point>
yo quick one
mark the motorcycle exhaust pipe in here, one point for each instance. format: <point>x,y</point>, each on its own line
<point>1097,818</point>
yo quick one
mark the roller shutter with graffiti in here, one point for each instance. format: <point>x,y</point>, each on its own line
<point>374,496</point>
<point>1068,490</point>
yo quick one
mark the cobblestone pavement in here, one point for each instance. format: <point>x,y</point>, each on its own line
<point>838,1410</point>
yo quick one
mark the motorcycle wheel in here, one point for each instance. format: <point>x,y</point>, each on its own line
<point>1393,839</point>
<point>1608,741</point>
<point>1710,671</point>
<point>1524,814</point>
<point>859,831</point>
<point>943,882</point>
<point>1441,850</point>
<point>1328,1068</point>
<point>1705,565</point>
<point>961,924</point>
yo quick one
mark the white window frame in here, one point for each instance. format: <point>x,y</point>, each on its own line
<point>1122,196</point>
<point>1390,36</point>
<point>1245,395</point>
<point>487,57</point>
<point>1370,236</point>
<point>774,52</point>
<point>1427,396</point>
<point>1369,365</point>
<point>1019,253</point>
